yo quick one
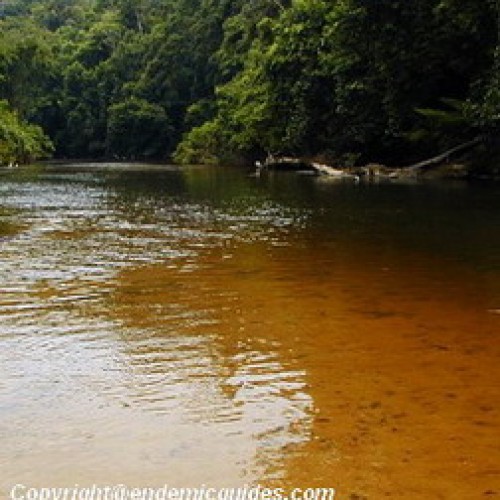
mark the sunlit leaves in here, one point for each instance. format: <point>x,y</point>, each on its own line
<point>20,141</point>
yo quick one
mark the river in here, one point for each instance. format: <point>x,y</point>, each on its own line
<point>202,326</point>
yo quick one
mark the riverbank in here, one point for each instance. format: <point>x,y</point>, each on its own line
<point>440,167</point>
<point>476,159</point>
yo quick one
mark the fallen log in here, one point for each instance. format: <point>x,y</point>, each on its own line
<point>373,170</point>
<point>319,168</point>
<point>443,157</point>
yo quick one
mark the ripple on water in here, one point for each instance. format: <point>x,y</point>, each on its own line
<point>196,327</point>
<point>89,360</point>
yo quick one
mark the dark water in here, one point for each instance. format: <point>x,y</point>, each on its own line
<point>202,326</point>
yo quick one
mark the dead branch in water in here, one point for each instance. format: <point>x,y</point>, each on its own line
<point>370,170</point>
<point>441,158</point>
<point>319,168</point>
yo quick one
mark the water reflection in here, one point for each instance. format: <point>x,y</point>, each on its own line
<point>202,326</point>
<point>129,352</point>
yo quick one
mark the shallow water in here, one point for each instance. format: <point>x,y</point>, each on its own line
<point>202,326</point>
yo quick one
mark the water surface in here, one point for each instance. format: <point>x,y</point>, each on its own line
<point>202,326</point>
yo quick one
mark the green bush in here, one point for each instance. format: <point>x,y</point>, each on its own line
<point>20,142</point>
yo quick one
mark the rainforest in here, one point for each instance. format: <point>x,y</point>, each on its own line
<point>232,81</point>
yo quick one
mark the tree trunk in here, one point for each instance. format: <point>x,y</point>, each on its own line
<point>436,160</point>
<point>319,168</point>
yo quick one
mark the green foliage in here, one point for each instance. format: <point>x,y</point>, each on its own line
<point>26,65</point>
<point>137,129</point>
<point>20,142</point>
<point>202,145</point>
<point>346,78</point>
<point>218,80</point>
<point>442,127</point>
<point>484,106</point>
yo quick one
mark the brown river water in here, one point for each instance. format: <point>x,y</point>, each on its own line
<point>203,326</point>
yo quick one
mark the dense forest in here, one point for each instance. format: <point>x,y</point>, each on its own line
<point>207,81</point>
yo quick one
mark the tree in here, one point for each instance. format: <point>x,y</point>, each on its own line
<point>363,80</point>
<point>137,129</point>
<point>20,142</point>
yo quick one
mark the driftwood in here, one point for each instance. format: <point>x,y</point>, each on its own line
<point>319,168</point>
<point>371,170</point>
<point>443,157</point>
